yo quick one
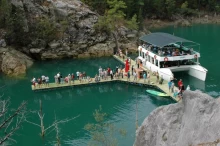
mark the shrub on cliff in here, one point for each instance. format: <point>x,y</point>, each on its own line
<point>46,30</point>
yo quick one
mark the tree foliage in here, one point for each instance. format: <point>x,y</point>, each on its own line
<point>157,8</point>
<point>102,133</point>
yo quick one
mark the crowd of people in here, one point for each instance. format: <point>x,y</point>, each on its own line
<point>170,50</point>
<point>179,91</point>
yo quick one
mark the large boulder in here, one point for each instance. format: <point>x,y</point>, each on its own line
<point>14,63</point>
<point>192,122</point>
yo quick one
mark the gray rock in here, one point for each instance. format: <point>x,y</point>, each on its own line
<point>54,45</point>
<point>2,43</point>
<point>14,63</point>
<point>36,50</point>
<point>193,121</point>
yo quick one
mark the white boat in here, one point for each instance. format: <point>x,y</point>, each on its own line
<point>165,53</point>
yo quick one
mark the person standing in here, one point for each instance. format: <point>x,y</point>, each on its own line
<point>172,86</point>
<point>145,77</point>
<point>77,74</point>
<point>148,77</point>
<point>135,77</point>
<point>180,82</point>
<point>132,70</point>
<point>61,78</point>
<point>169,85</point>
<point>69,79</point>
<point>126,52</point>
<point>34,82</point>
<point>72,77</point>
<point>111,74</point>
<point>58,77</point>
<point>157,75</point>
<point>100,71</point>
<point>47,81</point>
<point>128,76</point>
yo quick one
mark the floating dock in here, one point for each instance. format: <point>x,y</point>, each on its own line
<point>162,87</point>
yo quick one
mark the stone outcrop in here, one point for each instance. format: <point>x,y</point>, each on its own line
<point>13,62</point>
<point>192,122</point>
<point>80,40</point>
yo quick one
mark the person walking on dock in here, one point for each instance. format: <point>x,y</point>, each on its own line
<point>145,77</point>
<point>148,77</point>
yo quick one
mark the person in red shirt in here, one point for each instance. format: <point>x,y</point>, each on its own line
<point>180,82</point>
<point>108,71</point>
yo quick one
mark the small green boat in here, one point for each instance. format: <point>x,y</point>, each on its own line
<point>157,93</point>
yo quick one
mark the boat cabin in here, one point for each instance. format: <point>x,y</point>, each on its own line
<point>167,53</point>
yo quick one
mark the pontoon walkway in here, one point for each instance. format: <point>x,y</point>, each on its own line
<point>153,84</point>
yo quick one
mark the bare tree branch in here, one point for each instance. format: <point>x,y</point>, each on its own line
<point>13,115</point>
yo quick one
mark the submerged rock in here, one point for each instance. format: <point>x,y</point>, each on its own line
<point>194,121</point>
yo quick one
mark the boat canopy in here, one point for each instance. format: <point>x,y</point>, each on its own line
<point>161,39</point>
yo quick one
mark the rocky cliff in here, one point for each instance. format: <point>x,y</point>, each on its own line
<point>55,29</point>
<point>73,22</point>
<point>193,122</point>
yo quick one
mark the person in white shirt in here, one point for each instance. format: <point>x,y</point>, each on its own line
<point>100,71</point>
<point>77,74</point>
<point>47,81</point>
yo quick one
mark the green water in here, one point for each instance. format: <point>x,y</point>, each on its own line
<point>118,100</point>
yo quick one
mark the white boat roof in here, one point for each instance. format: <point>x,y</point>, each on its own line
<point>161,39</point>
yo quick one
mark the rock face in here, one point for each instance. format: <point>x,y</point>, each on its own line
<point>79,40</point>
<point>13,62</point>
<point>193,122</point>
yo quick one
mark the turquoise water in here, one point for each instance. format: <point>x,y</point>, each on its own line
<point>117,99</point>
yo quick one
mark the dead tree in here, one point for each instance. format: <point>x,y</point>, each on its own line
<point>53,126</point>
<point>10,120</point>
